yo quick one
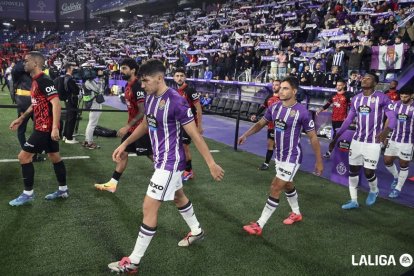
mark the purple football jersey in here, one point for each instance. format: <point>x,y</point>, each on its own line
<point>403,132</point>
<point>289,122</point>
<point>370,112</point>
<point>165,116</point>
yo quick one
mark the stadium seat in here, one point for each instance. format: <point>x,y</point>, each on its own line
<point>253,109</point>
<point>244,109</point>
<point>228,107</point>
<point>214,104</point>
<point>221,105</point>
<point>235,108</point>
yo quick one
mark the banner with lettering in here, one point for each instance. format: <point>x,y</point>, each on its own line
<point>13,9</point>
<point>71,10</point>
<point>42,10</point>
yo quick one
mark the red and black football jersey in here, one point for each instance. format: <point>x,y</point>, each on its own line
<point>271,100</point>
<point>340,104</point>
<point>192,98</point>
<point>134,95</point>
<point>42,92</point>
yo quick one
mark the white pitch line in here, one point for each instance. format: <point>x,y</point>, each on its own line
<point>65,158</point>
<point>213,151</point>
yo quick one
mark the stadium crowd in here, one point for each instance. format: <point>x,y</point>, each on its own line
<point>317,41</point>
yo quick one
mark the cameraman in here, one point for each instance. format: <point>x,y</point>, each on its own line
<point>71,104</point>
<point>92,88</point>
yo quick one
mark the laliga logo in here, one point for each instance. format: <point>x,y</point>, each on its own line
<point>405,260</point>
<point>72,7</point>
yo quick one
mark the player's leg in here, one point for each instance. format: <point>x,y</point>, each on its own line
<point>335,125</point>
<point>188,172</point>
<point>162,187</point>
<point>270,149</point>
<point>391,152</point>
<point>276,187</point>
<point>112,184</point>
<point>185,207</point>
<point>371,157</point>
<point>356,161</point>
<point>60,171</point>
<point>292,198</point>
<point>405,156</point>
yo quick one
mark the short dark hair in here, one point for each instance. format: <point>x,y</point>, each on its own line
<point>354,72</point>
<point>68,65</point>
<point>394,81</point>
<point>407,90</point>
<point>292,82</point>
<point>180,70</point>
<point>276,80</point>
<point>38,56</point>
<point>152,67</point>
<point>132,64</point>
<point>376,78</point>
<point>341,80</point>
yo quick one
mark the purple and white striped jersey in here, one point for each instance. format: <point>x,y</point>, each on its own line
<point>165,116</point>
<point>289,122</point>
<point>370,112</point>
<point>403,132</point>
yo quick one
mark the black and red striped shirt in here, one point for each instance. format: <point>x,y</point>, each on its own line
<point>134,95</point>
<point>42,92</point>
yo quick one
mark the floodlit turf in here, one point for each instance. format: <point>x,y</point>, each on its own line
<point>81,235</point>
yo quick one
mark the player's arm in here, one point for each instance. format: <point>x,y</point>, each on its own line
<point>313,138</point>
<point>135,135</point>
<point>56,109</point>
<point>252,130</point>
<point>216,171</point>
<point>122,131</point>
<point>325,106</point>
<point>389,126</point>
<point>199,117</point>
<point>16,123</point>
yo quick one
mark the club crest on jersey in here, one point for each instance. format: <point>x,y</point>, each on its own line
<point>373,99</point>
<point>390,106</point>
<point>161,105</point>
<point>411,108</point>
<point>364,110</point>
<point>292,113</point>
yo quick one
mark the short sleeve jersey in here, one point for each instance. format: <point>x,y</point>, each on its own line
<point>166,114</point>
<point>289,123</point>
<point>42,92</point>
<point>134,95</point>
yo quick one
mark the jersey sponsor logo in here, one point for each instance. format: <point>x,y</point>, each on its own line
<point>391,106</point>
<point>364,110</point>
<point>337,104</point>
<point>140,94</point>
<point>284,172</point>
<point>50,90</point>
<point>402,117</point>
<point>189,113</point>
<point>194,96</point>
<point>155,186</point>
<point>341,168</point>
<point>152,122</point>
<point>344,145</point>
<point>280,126</point>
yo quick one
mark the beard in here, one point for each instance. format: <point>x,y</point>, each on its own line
<point>125,77</point>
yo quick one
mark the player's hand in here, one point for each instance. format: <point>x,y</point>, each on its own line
<point>116,155</point>
<point>318,111</point>
<point>318,168</point>
<point>55,134</point>
<point>253,118</point>
<point>241,140</point>
<point>15,124</point>
<point>122,131</point>
<point>383,135</point>
<point>216,172</point>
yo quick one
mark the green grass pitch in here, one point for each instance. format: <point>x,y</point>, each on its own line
<point>81,235</point>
